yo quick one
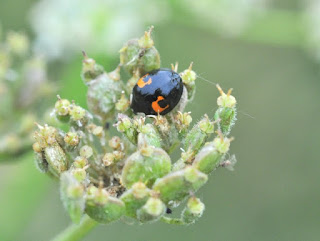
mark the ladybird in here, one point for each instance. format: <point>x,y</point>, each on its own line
<point>157,92</point>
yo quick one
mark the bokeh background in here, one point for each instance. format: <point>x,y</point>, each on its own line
<point>268,51</point>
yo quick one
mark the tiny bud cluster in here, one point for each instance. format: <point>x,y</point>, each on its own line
<point>132,173</point>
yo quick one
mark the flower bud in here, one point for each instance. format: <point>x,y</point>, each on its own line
<point>102,207</point>
<point>140,55</point>
<point>193,210</point>
<point>175,186</point>
<point>225,118</point>
<point>80,162</point>
<point>226,113</point>
<point>182,122</point>
<point>108,159</point>
<point>72,196</point>
<point>76,112</point>
<point>226,100</point>
<point>46,135</point>
<point>135,198</point>
<point>62,107</point>
<point>56,158</point>
<point>146,41</point>
<point>36,147</point>
<point>115,142</point>
<point>149,136</point>
<point>123,103</point>
<point>79,174</point>
<point>86,151</point>
<point>207,159</point>
<point>188,78</point>
<point>90,69</point>
<point>126,126</point>
<point>102,94</point>
<point>222,144</point>
<point>145,168</point>
<point>72,139</point>
<point>41,162</point>
<point>98,131</point>
<point>198,135</point>
<point>151,211</point>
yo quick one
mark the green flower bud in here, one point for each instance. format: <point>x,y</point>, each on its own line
<point>225,118</point>
<point>80,162</point>
<point>188,78</point>
<point>72,138</point>
<point>41,162</point>
<point>207,159</point>
<point>175,186</point>
<point>182,122</point>
<point>222,144</point>
<point>146,41</point>
<point>118,155</point>
<point>62,107</point>
<point>206,125</point>
<point>72,196</point>
<point>76,112</point>
<point>56,158</point>
<point>185,159</point>
<point>79,174</point>
<point>98,131</point>
<point>90,70</point>
<point>151,211</point>
<point>103,208</point>
<point>126,126</point>
<point>226,100</point>
<point>162,124</point>
<point>102,95</point>
<point>140,55</point>
<point>198,135</point>
<point>108,159</point>
<point>145,168</point>
<point>36,147</point>
<point>86,151</point>
<point>193,210</point>
<point>135,198</point>
<point>115,142</point>
<point>46,135</point>
<point>123,103</point>
<point>149,61</point>
<point>149,136</point>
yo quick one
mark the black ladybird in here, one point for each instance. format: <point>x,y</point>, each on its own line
<point>157,92</point>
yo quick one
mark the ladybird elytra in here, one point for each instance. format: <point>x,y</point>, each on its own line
<point>157,92</point>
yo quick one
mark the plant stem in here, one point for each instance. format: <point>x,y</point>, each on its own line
<point>76,232</point>
<point>168,220</point>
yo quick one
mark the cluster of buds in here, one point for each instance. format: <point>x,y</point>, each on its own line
<point>114,164</point>
<point>23,88</point>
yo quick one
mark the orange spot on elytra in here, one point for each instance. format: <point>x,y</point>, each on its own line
<point>156,107</point>
<point>142,84</point>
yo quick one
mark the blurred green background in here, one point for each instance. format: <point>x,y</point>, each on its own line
<point>273,194</point>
